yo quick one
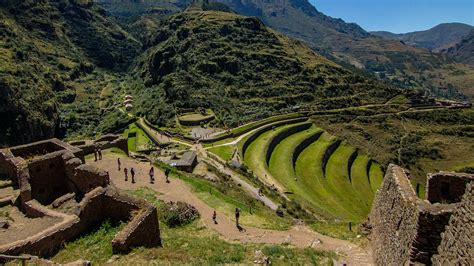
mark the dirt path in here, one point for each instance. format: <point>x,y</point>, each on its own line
<point>178,190</point>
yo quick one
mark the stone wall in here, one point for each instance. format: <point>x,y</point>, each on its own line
<point>8,166</point>
<point>105,142</point>
<point>432,220</point>
<point>46,177</point>
<point>87,177</point>
<point>408,230</point>
<point>447,187</point>
<point>96,206</point>
<point>457,244</point>
<point>393,219</point>
<point>143,230</point>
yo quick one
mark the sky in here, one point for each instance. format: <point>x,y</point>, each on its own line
<point>398,16</point>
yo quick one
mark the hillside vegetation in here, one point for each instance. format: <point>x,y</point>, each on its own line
<point>242,70</point>
<point>55,57</point>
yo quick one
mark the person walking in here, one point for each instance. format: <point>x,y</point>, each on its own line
<point>214,217</point>
<point>118,163</point>
<point>152,175</point>
<point>132,172</point>
<point>100,153</point>
<point>125,171</point>
<point>237,216</point>
<point>95,155</point>
<point>167,173</point>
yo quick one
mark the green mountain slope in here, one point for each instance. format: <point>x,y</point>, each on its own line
<point>241,69</point>
<point>48,53</point>
<point>348,44</point>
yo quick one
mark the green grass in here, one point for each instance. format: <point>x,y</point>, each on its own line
<point>138,142</point>
<point>360,181</point>
<point>281,168</point>
<point>225,199</point>
<point>309,169</point>
<point>337,230</point>
<point>95,246</point>
<point>191,244</point>
<point>225,152</point>
<point>340,185</point>
<point>256,151</point>
<point>376,176</point>
<point>256,124</point>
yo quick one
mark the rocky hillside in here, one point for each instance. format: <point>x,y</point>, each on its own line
<point>241,69</point>
<point>53,55</point>
<point>462,51</point>
<point>434,39</point>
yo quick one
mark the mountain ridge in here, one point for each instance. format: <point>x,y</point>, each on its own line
<point>434,39</point>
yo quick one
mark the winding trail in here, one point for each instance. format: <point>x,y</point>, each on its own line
<point>178,190</point>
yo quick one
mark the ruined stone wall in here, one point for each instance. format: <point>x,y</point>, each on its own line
<point>393,218</point>
<point>47,177</point>
<point>96,206</point>
<point>105,142</point>
<point>447,187</point>
<point>87,177</point>
<point>457,244</point>
<point>8,166</point>
<point>39,148</point>
<point>143,230</point>
<point>432,220</point>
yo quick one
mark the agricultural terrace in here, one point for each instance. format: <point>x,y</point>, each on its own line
<point>314,168</point>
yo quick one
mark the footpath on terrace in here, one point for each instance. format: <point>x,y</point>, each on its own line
<point>219,165</point>
<point>177,190</point>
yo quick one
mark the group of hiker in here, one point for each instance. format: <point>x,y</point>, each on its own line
<point>151,173</point>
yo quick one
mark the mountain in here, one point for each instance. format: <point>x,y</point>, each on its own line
<point>54,58</point>
<point>462,51</point>
<point>242,70</point>
<point>434,39</point>
<point>348,44</point>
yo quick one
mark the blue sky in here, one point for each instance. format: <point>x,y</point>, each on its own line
<point>398,16</point>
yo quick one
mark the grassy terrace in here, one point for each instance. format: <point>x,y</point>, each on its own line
<point>339,183</point>
<point>253,125</point>
<point>309,170</point>
<point>137,139</point>
<point>281,166</point>
<point>360,182</point>
<point>376,176</point>
<point>256,151</point>
<point>225,152</point>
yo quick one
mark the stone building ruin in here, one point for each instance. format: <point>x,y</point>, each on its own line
<point>407,230</point>
<point>58,198</point>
